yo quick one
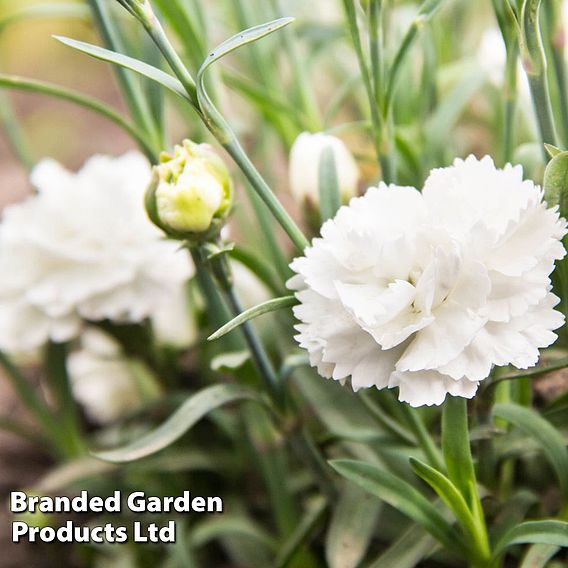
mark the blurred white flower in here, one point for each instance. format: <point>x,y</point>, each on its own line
<point>304,166</point>
<point>427,291</point>
<point>101,379</point>
<point>83,248</point>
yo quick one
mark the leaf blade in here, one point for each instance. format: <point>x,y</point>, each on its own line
<point>400,495</point>
<point>187,415</point>
<point>258,310</point>
<point>140,67</point>
<point>535,532</point>
<point>541,430</point>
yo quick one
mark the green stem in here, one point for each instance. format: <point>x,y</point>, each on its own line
<point>510,101</point>
<point>19,83</point>
<point>236,151</point>
<point>271,458</point>
<point>557,42</point>
<point>423,438</point>
<point>222,273</point>
<point>381,148</point>
<point>535,65</point>
<point>456,447</point>
<point>376,47</point>
<point>156,32</point>
<point>543,110</point>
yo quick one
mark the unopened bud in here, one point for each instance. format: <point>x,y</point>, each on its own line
<point>305,157</point>
<point>191,192</point>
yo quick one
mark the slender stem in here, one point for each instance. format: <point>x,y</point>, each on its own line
<point>236,151</point>
<point>382,148</point>
<point>156,31</point>
<point>510,101</point>
<point>543,110</point>
<point>19,83</point>
<point>376,47</point>
<point>270,457</point>
<point>557,41</point>
<point>423,438</point>
<point>456,446</point>
<point>535,65</point>
<point>300,440</point>
<point>220,268</point>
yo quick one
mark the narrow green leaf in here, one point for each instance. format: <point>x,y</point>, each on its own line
<point>329,193</point>
<point>400,495</point>
<point>552,151</point>
<point>407,552</point>
<point>302,533</point>
<point>195,408</point>
<point>551,441</point>
<point>228,362</point>
<point>254,312</point>
<point>535,532</point>
<point>538,555</point>
<point>22,84</point>
<point>351,528</point>
<point>148,71</point>
<point>230,525</point>
<point>452,497</point>
<point>242,38</point>
<point>215,121</point>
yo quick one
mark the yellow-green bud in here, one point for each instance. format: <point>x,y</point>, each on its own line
<point>190,194</point>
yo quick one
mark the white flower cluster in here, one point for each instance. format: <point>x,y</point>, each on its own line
<point>427,291</point>
<point>83,248</point>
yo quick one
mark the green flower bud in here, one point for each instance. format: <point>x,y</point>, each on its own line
<point>190,194</point>
<point>556,182</point>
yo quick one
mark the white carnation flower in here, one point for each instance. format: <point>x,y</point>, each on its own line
<point>305,157</point>
<point>82,248</point>
<point>101,379</point>
<point>427,291</point>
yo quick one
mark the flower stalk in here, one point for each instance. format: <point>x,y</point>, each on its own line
<point>533,57</point>
<point>456,447</point>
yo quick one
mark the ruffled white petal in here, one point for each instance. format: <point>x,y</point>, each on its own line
<point>428,291</point>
